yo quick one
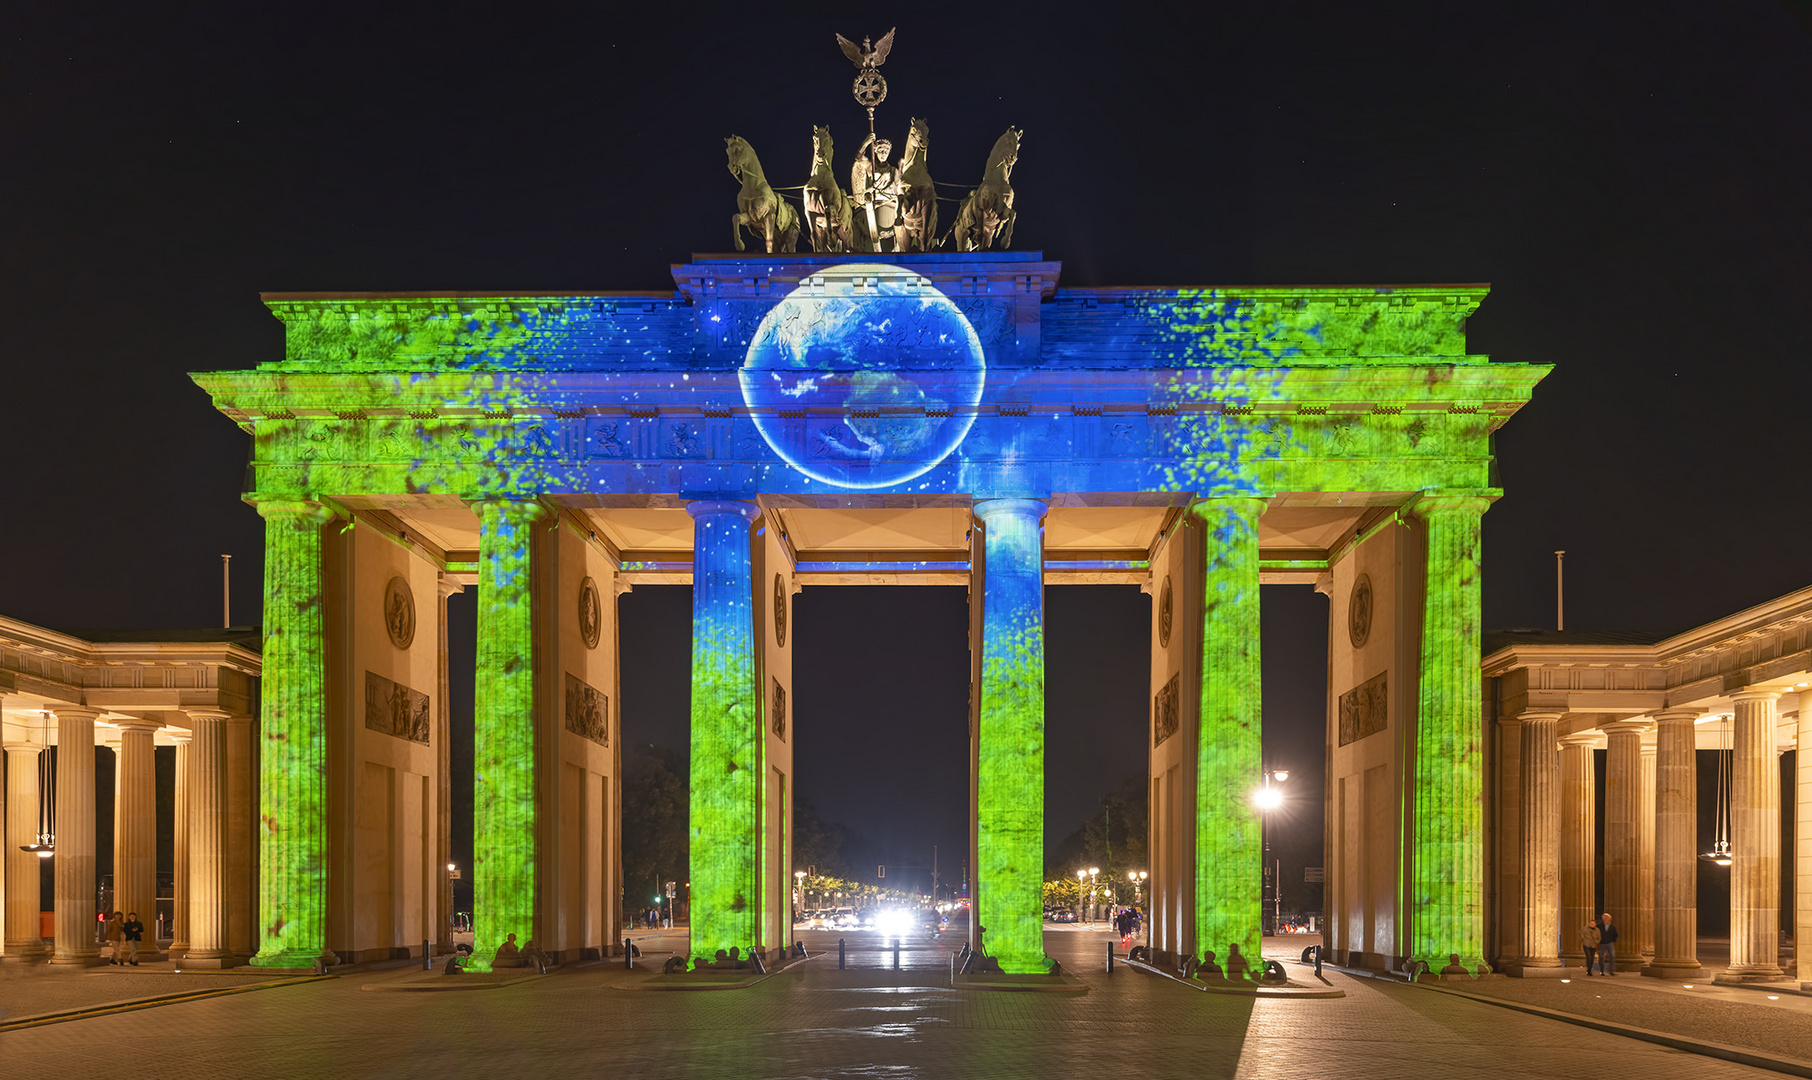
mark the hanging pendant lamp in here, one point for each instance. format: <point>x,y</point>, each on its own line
<point>1720,848</point>
<point>46,843</point>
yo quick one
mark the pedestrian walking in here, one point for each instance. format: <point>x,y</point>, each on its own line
<point>132,931</point>
<point>1588,940</point>
<point>115,936</point>
<point>1607,945</point>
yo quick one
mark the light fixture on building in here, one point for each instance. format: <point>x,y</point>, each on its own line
<point>46,843</point>
<point>1720,847</point>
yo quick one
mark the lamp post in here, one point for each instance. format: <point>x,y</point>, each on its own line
<point>1267,799</point>
<point>1081,876</point>
<point>798,893</point>
<point>1137,877</point>
<point>1092,872</point>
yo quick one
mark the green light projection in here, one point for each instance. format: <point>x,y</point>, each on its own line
<point>1229,750</point>
<point>1447,876</point>
<point>292,845</point>
<point>1009,873</point>
<point>728,773</point>
<point>504,848</point>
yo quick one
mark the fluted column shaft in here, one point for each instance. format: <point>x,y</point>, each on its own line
<point>1755,839</point>
<point>1447,875</point>
<point>1802,843</point>
<point>1623,834</point>
<point>208,865</point>
<point>443,788</point>
<point>1229,856</point>
<point>1578,846</point>
<point>135,830</point>
<point>1676,837</point>
<point>75,882</point>
<point>1539,820</point>
<point>1642,941</point>
<point>22,933</point>
<point>505,849</point>
<point>179,860</point>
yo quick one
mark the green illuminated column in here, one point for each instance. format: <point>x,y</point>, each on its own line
<point>292,774</point>
<point>1447,827</point>
<point>726,797</point>
<point>503,740</point>
<point>1229,862</point>
<point>1009,869</point>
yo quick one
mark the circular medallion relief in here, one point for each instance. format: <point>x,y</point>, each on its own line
<point>1164,615</point>
<point>590,618</point>
<point>1359,611</point>
<point>399,613</point>
<point>779,610</point>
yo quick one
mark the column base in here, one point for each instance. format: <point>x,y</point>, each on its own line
<point>1674,969</point>
<point>29,952</point>
<point>1750,973</point>
<point>1537,969</point>
<point>80,960</point>
<point>211,963</point>
<point>296,960</point>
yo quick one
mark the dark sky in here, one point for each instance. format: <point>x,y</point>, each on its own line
<point>1633,180</point>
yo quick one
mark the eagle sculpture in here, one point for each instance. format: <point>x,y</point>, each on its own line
<point>864,55</point>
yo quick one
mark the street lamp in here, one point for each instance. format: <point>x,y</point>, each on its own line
<point>1092,872</point>
<point>799,894</point>
<point>1081,876</point>
<point>1267,799</point>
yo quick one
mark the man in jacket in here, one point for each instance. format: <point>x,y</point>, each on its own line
<point>133,932</point>
<point>1607,942</point>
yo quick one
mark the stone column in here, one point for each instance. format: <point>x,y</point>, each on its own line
<point>75,883</point>
<point>1676,842</point>
<point>292,781</point>
<point>504,818</point>
<point>443,788</point>
<point>1578,847</point>
<point>135,830</point>
<point>179,862</point>
<point>208,856</point>
<point>1802,843</point>
<point>1755,841</point>
<point>1642,942</point>
<point>1010,735</point>
<point>241,838</point>
<point>1229,857</point>
<point>1623,836</point>
<point>1540,856</point>
<point>1447,825</point>
<point>22,934</point>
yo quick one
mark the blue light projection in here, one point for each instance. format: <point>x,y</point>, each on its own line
<point>864,376</point>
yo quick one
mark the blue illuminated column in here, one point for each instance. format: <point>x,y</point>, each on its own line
<point>1229,875</point>
<point>1009,790</point>
<point>726,791</point>
<point>504,750</point>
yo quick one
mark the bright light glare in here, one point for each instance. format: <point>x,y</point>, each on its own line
<point>893,922</point>
<point>1267,798</point>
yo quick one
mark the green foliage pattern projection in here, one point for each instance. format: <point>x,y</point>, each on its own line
<point>1010,782</point>
<point>1447,877</point>
<point>503,741</point>
<point>1229,751</point>
<point>727,767</point>
<point>292,811</point>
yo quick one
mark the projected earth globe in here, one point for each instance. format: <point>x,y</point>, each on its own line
<point>865,376</point>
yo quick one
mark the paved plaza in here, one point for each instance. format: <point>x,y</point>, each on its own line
<point>868,1021</point>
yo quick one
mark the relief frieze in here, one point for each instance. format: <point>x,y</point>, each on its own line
<point>1365,709</point>
<point>587,712</point>
<point>395,710</point>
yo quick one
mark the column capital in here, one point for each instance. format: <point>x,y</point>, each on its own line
<point>1587,739</point>
<point>698,508</point>
<point>136,723</point>
<point>75,712</point>
<point>208,714</point>
<point>1675,715</point>
<point>1628,727</point>
<point>1425,504</point>
<point>1536,714</point>
<point>986,509</point>
<point>446,586</point>
<point>1756,695</point>
<point>319,512</point>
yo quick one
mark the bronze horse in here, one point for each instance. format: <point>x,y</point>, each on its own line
<point>763,213</point>
<point>827,208</point>
<point>917,230</point>
<point>985,220</point>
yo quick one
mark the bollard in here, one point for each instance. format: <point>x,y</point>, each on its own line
<point>1110,958</point>
<point>628,954</point>
<point>896,954</point>
<point>1318,961</point>
<point>427,961</point>
<point>841,957</point>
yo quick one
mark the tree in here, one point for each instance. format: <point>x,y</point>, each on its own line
<point>655,811</point>
<point>1113,838</point>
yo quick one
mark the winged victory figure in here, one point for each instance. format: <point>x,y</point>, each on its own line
<point>865,56</point>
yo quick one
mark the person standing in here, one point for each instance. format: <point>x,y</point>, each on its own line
<point>132,931</point>
<point>1588,940</point>
<point>114,937</point>
<point>1607,945</point>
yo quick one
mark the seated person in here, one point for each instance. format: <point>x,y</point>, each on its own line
<point>508,954</point>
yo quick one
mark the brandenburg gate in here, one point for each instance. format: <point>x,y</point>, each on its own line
<point>781,420</point>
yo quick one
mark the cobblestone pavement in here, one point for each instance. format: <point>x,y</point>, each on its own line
<point>813,1021</point>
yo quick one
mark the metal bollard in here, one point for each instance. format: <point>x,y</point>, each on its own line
<point>1110,958</point>
<point>1317,961</point>
<point>896,954</point>
<point>427,961</point>
<point>842,958</point>
<point>628,955</point>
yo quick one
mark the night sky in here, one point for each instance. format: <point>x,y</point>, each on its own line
<point>1632,179</point>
